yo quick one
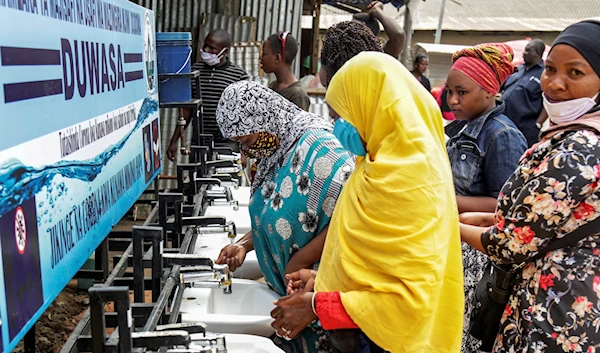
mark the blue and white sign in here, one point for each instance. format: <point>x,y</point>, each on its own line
<point>79,141</point>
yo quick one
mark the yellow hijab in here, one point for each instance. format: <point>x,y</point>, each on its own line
<point>393,247</point>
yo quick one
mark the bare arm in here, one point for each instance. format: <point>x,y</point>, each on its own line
<point>246,241</point>
<point>309,254</point>
<point>172,150</point>
<point>395,33</point>
<point>472,236</point>
<point>475,204</point>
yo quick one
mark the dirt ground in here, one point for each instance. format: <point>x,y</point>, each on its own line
<point>58,321</point>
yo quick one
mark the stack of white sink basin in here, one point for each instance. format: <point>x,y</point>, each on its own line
<point>244,343</point>
<point>240,194</point>
<point>238,215</point>
<point>210,243</point>
<point>246,310</point>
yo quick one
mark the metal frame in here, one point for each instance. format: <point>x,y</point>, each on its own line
<point>164,243</point>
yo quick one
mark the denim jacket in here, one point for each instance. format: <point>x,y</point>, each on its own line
<point>485,153</point>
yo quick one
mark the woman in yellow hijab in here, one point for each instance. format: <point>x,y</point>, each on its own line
<point>391,268</point>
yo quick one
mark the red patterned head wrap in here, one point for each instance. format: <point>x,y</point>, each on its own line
<point>489,65</point>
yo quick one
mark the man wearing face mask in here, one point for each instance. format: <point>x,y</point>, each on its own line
<point>216,73</point>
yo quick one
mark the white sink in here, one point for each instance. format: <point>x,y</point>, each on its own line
<point>245,343</point>
<point>247,310</point>
<point>241,194</point>
<point>210,245</point>
<point>241,216</point>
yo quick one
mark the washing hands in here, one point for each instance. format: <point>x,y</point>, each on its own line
<point>301,281</point>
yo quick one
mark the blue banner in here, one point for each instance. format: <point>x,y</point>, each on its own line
<point>80,140</point>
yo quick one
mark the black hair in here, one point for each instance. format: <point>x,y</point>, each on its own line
<point>420,58</point>
<point>369,20</point>
<point>538,45</point>
<point>342,42</point>
<point>222,36</point>
<point>291,46</point>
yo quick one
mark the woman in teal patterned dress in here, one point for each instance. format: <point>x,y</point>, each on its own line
<point>300,175</point>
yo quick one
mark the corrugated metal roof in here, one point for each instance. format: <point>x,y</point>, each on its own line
<point>501,24</point>
<point>440,48</point>
<point>331,15</point>
<point>483,15</point>
<point>175,15</point>
<point>518,9</point>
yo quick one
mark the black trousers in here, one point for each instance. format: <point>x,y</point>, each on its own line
<point>352,341</point>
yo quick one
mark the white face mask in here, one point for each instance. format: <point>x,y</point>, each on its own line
<point>212,59</point>
<point>568,111</point>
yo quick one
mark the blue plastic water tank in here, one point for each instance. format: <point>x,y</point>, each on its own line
<point>173,54</point>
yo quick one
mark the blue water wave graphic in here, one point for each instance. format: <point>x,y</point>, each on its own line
<point>19,182</point>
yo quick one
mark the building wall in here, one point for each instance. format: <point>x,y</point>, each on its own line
<point>472,38</point>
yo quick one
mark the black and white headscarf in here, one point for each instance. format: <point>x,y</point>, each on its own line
<point>248,108</point>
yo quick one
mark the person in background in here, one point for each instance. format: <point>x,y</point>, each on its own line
<point>442,100</point>
<point>553,194</point>
<point>390,276</point>
<point>420,67</point>
<point>300,176</point>
<point>523,94</point>
<point>342,42</point>
<point>309,80</point>
<point>279,52</point>
<point>216,73</point>
<point>483,154</point>
<point>395,43</point>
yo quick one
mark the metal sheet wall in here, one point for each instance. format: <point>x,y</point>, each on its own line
<point>247,56</point>
<point>241,28</point>
<point>274,16</point>
<point>175,15</point>
<point>269,16</point>
<point>187,15</point>
<point>168,124</point>
<point>318,105</point>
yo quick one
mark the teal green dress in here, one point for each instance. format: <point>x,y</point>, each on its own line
<point>293,206</point>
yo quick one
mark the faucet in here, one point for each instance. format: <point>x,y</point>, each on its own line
<point>218,276</point>
<point>222,197</point>
<point>214,341</point>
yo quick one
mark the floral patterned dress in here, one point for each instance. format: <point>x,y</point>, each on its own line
<point>293,206</point>
<point>555,306</point>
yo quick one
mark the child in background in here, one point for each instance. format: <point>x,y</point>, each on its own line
<point>485,153</point>
<point>279,52</point>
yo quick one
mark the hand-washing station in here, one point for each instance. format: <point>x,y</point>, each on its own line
<point>245,310</point>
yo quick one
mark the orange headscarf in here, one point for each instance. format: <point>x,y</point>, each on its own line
<point>489,65</point>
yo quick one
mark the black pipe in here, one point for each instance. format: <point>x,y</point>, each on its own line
<point>161,303</point>
<point>119,269</point>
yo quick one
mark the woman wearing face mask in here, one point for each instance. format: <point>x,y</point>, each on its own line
<point>390,276</point>
<point>553,196</point>
<point>300,175</point>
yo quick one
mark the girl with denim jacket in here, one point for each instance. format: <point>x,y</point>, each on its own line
<point>553,195</point>
<point>485,152</point>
